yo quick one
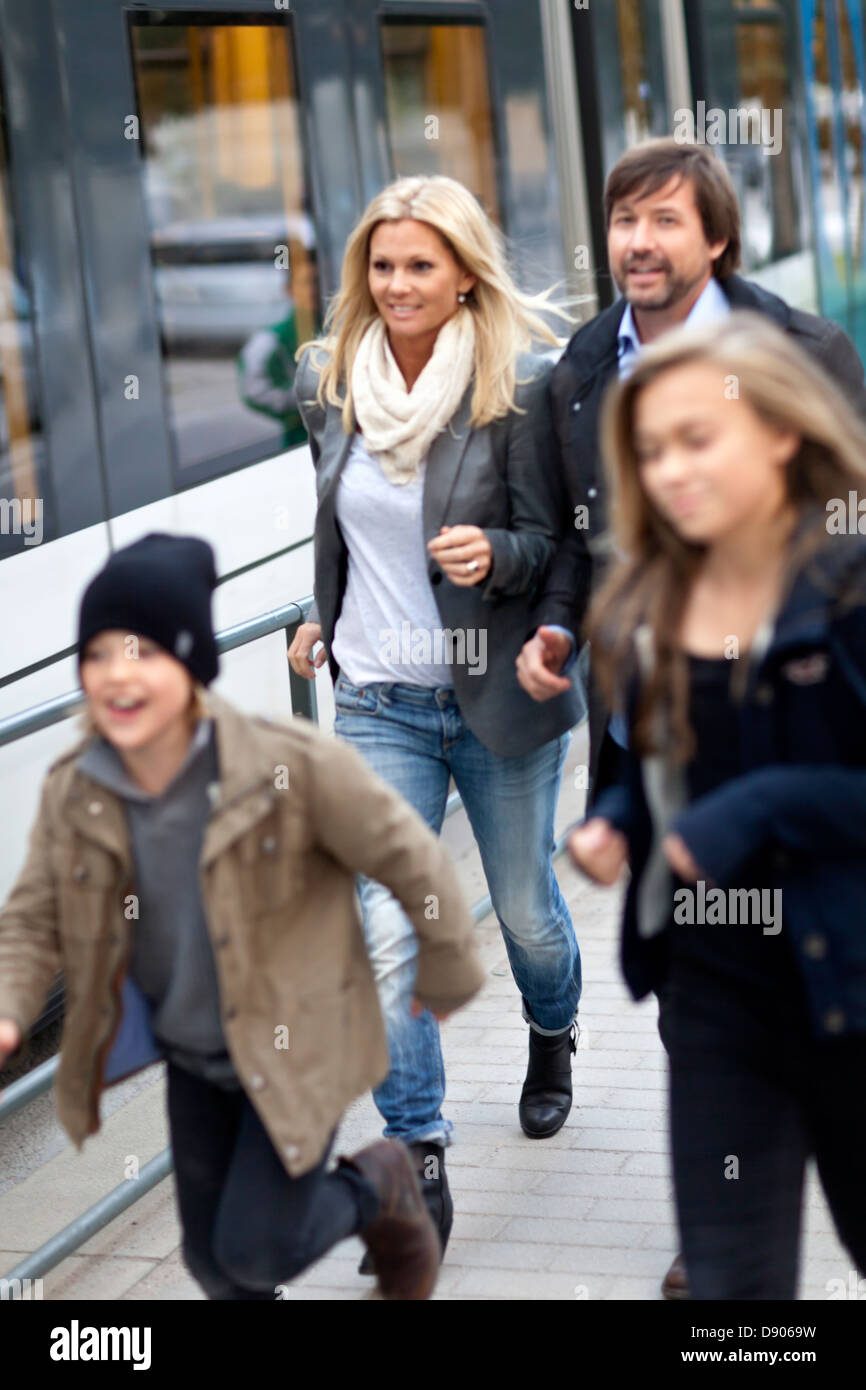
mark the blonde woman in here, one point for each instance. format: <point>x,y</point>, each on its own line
<point>438,510</point>
<point>736,623</point>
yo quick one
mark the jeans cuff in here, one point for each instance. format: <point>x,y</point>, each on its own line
<point>439,1132</point>
<point>547,1032</point>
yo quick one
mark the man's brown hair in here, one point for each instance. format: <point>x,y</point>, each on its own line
<point>648,167</point>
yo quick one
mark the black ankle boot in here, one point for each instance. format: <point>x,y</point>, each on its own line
<point>546,1096</point>
<point>429,1161</point>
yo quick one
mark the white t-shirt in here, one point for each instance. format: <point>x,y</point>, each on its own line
<point>389,627</point>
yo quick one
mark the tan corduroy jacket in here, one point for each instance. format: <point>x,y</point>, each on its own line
<point>297,815</point>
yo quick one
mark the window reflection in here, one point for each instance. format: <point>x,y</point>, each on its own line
<point>22,460</point>
<point>438,104</point>
<point>634,74</point>
<point>771,221</point>
<point>832,228</point>
<point>232,242</point>
<point>852,105</point>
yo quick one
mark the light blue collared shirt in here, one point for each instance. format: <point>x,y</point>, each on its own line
<point>710,306</point>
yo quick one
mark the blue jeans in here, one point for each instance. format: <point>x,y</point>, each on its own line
<point>415,738</point>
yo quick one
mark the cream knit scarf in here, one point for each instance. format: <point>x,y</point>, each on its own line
<point>399,425</point>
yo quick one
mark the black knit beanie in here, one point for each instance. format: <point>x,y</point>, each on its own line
<point>159,587</point>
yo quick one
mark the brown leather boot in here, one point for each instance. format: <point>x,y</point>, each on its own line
<point>676,1282</point>
<point>401,1239</point>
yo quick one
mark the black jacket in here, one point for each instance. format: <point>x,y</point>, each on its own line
<point>579,380</point>
<point>795,817</point>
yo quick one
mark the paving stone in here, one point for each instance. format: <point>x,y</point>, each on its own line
<point>644,1211</point>
<point>511,1284</point>
<point>606,1185</point>
<point>564,1232</point>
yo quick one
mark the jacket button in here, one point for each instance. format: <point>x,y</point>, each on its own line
<point>292,1151</point>
<point>95,808</point>
<point>269,844</point>
<point>222,941</point>
<point>764,694</point>
<point>79,873</point>
<point>436,577</point>
<point>231,1011</point>
<point>815,946</point>
<point>834,1020</point>
<point>257,1082</point>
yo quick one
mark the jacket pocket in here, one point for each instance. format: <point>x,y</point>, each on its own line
<point>88,885</point>
<point>274,862</point>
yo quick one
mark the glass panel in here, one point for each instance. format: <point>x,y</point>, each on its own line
<point>636,88</point>
<point>232,242</point>
<point>438,103</point>
<point>831,231</point>
<point>22,450</point>
<point>771,222</point>
<point>852,104</point>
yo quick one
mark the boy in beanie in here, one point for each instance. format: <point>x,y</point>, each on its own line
<point>192,871</point>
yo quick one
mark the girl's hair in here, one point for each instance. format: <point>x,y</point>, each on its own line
<point>652,578</point>
<point>506,320</point>
<point>198,709</point>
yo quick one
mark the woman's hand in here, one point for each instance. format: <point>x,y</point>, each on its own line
<point>599,850</point>
<point>464,552</point>
<point>680,858</point>
<point>306,637</point>
<point>10,1038</point>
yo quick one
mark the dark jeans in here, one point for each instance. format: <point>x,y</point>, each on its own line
<point>247,1225</point>
<point>753,1094</point>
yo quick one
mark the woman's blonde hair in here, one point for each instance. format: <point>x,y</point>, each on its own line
<point>506,320</point>
<point>652,579</point>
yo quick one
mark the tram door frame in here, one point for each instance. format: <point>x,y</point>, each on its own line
<point>842,287</point>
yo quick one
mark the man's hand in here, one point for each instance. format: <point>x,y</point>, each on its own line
<point>539,664</point>
<point>303,642</point>
<point>599,850</point>
<point>10,1038</point>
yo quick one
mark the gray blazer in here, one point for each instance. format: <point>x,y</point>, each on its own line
<point>505,477</point>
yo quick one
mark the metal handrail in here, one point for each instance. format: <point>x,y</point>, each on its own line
<point>37,1082</point>
<point>37,717</point>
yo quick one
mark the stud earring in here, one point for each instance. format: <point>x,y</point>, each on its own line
<point>461,298</point>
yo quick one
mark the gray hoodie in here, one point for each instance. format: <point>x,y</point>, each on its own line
<point>172,960</point>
